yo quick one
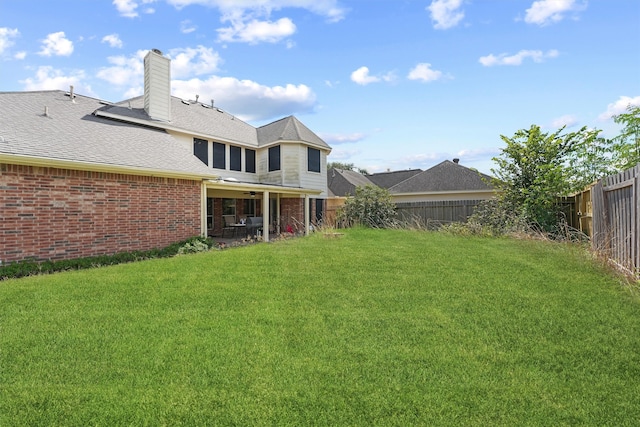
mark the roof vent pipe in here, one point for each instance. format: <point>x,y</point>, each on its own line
<point>129,107</point>
<point>71,95</point>
<point>46,111</point>
<point>197,96</point>
<point>211,103</point>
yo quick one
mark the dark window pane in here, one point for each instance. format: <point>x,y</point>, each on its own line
<point>219,161</point>
<point>235,158</point>
<point>201,150</point>
<point>274,158</point>
<point>313,159</point>
<point>250,160</point>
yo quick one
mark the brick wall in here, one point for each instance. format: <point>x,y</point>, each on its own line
<point>48,213</point>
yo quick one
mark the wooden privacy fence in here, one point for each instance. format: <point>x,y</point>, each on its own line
<point>436,212</point>
<point>616,204</point>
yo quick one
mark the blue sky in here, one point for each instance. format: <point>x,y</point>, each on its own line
<point>389,84</point>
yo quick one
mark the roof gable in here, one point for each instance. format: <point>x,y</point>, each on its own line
<point>443,177</point>
<point>389,179</point>
<point>289,129</point>
<point>344,182</point>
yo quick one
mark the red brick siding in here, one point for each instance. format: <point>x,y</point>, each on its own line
<point>48,213</point>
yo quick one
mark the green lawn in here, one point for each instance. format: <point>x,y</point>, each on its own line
<point>373,328</point>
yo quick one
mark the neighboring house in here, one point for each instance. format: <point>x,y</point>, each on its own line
<point>82,177</point>
<point>446,192</point>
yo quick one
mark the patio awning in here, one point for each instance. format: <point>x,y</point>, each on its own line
<point>232,185</point>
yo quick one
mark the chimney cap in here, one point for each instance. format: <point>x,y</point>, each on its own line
<point>158,51</point>
<point>456,160</point>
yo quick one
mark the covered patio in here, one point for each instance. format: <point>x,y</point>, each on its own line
<point>280,209</point>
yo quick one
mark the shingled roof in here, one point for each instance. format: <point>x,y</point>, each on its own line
<point>289,129</point>
<point>51,126</point>
<point>389,179</point>
<point>444,177</point>
<point>343,183</point>
<point>190,117</point>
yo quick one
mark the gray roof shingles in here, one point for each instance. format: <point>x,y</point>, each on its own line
<point>443,177</point>
<point>192,117</point>
<point>72,133</point>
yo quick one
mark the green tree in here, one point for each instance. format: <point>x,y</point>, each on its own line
<point>626,147</point>
<point>533,171</point>
<point>340,165</point>
<point>371,206</point>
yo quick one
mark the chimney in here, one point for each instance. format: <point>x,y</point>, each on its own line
<point>157,86</point>
<point>456,161</point>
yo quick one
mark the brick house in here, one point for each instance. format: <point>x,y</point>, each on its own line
<point>82,177</point>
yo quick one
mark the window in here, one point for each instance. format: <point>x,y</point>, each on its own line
<point>228,206</point>
<point>235,158</point>
<point>249,208</point>
<point>219,159</point>
<point>201,150</point>
<point>313,160</point>
<point>250,161</point>
<point>274,158</point>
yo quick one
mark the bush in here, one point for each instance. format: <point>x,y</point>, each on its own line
<point>32,267</point>
<point>371,207</point>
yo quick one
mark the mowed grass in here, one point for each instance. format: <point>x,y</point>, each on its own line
<point>374,328</point>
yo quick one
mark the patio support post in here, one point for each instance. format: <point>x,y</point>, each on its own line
<point>265,216</point>
<point>278,225</point>
<point>306,214</point>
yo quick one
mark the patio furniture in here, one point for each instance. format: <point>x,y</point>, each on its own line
<point>229,221</point>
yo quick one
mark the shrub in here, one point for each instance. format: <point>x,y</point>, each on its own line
<point>31,267</point>
<point>371,207</point>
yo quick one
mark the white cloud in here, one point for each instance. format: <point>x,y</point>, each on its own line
<point>544,12</point>
<point>341,138</point>
<point>20,55</point>
<point>125,71</point>
<point>113,40</point>
<point>362,77</point>
<point>48,78</point>
<point>6,38</point>
<point>446,13</point>
<point>247,99</point>
<point>504,59</point>
<point>331,9</point>
<point>56,44</point>
<point>568,120</point>
<point>128,8</point>
<point>187,62</point>
<point>424,73</point>
<point>187,27</point>
<point>255,31</point>
<point>619,106</point>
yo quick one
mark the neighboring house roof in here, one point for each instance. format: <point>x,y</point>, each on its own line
<point>288,129</point>
<point>444,177</point>
<point>343,183</point>
<point>189,117</point>
<point>389,179</point>
<point>70,132</point>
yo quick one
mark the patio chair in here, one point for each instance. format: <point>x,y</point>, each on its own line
<point>229,220</point>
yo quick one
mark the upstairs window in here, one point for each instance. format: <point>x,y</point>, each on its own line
<point>201,150</point>
<point>235,158</point>
<point>219,158</point>
<point>313,160</point>
<point>274,158</point>
<point>250,160</point>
